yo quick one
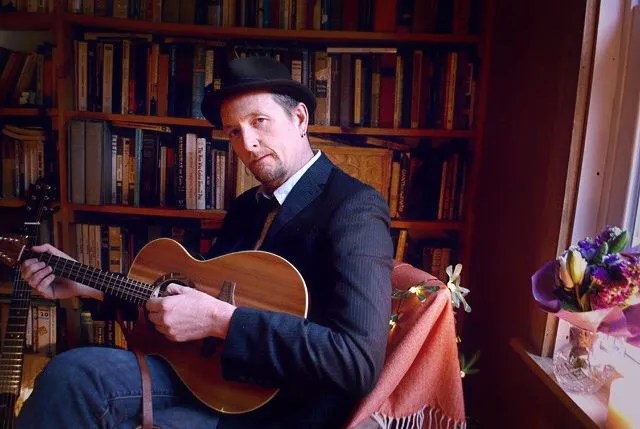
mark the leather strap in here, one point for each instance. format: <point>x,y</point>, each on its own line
<point>147,401</point>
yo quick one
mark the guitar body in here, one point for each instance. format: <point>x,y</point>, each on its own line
<point>262,281</point>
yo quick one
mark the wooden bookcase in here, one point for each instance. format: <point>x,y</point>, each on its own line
<point>65,26</point>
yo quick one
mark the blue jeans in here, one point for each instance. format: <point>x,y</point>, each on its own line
<point>96,387</point>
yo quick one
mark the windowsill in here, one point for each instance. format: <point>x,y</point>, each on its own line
<point>589,411</point>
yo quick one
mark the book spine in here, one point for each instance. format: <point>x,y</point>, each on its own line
<point>181,173</point>
<point>190,170</point>
<point>126,67</point>
<point>200,173</point>
<point>82,82</point>
<point>107,78</point>
<point>198,82</point>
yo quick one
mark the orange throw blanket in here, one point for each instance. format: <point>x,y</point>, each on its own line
<point>420,384</point>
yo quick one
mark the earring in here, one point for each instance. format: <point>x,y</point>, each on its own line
<point>304,133</point>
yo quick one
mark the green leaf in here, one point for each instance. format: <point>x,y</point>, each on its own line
<point>619,243</point>
<point>569,306</point>
<point>602,251</point>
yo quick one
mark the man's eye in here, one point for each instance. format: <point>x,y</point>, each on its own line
<point>233,133</point>
<point>260,121</point>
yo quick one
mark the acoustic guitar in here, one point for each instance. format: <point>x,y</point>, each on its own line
<point>256,279</point>
<point>39,197</point>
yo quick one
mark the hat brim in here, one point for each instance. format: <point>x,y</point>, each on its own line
<point>213,99</point>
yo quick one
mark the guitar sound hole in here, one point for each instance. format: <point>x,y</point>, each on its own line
<point>163,282</point>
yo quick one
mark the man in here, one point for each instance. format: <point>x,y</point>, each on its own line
<point>332,228</point>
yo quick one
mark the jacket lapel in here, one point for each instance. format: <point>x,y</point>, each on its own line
<point>303,193</point>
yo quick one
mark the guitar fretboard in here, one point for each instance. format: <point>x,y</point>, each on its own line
<point>12,358</point>
<point>114,284</point>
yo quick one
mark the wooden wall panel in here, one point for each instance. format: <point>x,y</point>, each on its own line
<point>533,79</point>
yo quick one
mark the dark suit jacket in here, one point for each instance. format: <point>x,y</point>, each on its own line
<point>335,231</point>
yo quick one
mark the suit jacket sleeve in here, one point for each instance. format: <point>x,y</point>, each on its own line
<point>345,350</point>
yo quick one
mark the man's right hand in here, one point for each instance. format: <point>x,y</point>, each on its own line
<point>41,278</point>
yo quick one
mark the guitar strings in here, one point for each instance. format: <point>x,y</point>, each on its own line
<point>94,277</point>
<point>21,294</point>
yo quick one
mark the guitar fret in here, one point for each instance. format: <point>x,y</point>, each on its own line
<point>113,283</point>
<point>12,358</point>
<point>12,377</point>
<point>14,335</point>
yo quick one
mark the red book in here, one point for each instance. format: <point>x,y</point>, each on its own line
<point>384,16</point>
<point>387,89</point>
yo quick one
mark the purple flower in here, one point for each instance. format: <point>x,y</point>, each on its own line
<point>607,235</point>
<point>588,249</point>
<point>594,274</point>
<point>599,277</point>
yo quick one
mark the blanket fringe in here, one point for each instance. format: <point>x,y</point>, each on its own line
<point>425,418</point>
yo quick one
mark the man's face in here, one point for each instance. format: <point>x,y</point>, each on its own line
<point>265,137</point>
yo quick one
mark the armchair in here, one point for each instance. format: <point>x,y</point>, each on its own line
<point>420,384</point>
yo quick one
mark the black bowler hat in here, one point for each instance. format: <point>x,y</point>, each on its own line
<point>254,74</point>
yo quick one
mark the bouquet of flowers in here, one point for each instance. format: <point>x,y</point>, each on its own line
<point>594,285</point>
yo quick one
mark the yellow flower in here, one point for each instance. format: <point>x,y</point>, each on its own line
<point>576,265</point>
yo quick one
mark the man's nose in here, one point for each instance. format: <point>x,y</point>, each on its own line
<point>250,139</point>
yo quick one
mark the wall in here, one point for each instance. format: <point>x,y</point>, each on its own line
<point>533,75</point>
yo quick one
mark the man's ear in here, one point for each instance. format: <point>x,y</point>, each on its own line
<point>301,117</point>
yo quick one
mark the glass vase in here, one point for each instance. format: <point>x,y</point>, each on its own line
<point>580,366</point>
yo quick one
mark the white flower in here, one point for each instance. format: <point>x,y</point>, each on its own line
<point>563,272</point>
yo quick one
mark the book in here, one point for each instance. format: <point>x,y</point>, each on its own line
<point>93,142</point>
<point>77,161</point>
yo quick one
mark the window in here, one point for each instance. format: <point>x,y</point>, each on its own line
<point>609,185</point>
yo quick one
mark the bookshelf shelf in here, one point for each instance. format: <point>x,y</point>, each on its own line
<point>138,119</point>
<point>27,111</point>
<point>317,36</point>
<point>149,211</point>
<point>394,132</point>
<point>313,129</point>
<point>11,202</point>
<point>26,21</point>
<point>427,226</point>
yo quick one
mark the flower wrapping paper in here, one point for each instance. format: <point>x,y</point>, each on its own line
<point>613,321</point>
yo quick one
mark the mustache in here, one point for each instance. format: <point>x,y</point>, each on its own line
<point>256,157</point>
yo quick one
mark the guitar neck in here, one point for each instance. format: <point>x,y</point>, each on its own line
<point>114,284</point>
<point>12,357</point>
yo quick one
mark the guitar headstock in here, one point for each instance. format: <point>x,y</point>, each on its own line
<point>11,248</point>
<point>39,198</point>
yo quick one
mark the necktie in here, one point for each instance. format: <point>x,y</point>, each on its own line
<point>267,210</point>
